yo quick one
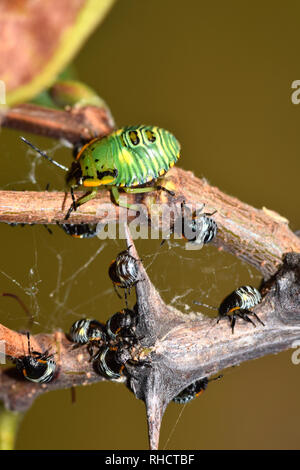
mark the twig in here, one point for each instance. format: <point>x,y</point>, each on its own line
<point>185,348</point>
<point>74,124</point>
<point>175,349</point>
<point>259,236</point>
<point>74,367</point>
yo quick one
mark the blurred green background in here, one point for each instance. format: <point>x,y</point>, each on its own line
<point>219,76</point>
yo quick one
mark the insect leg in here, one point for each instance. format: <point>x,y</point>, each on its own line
<point>162,188</point>
<point>257,318</point>
<point>82,200</point>
<point>73,199</point>
<point>232,323</point>
<point>148,189</point>
<point>185,212</point>
<point>116,291</point>
<point>71,209</point>
<point>244,316</point>
<point>208,214</point>
<point>90,349</point>
<point>198,212</point>
<point>125,295</point>
<point>116,196</point>
<point>185,209</point>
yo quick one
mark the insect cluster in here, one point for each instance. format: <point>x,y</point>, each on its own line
<point>113,341</point>
<point>134,160</point>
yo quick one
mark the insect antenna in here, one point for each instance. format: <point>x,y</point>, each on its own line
<point>216,378</point>
<point>43,154</point>
<point>28,339</point>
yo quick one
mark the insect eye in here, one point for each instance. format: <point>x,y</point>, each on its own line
<point>150,136</point>
<point>133,135</point>
<point>122,140</point>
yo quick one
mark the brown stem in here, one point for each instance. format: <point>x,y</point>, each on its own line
<point>74,367</point>
<point>155,408</point>
<point>183,348</point>
<point>74,124</point>
<point>259,236</point>
<point>174,349</point>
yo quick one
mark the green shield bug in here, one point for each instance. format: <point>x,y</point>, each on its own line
<point>131,158</point>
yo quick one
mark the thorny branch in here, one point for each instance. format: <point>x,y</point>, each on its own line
<point>74,367</point>
<point>176,349</point>
<point>258,236</point>
<point>188,347</point>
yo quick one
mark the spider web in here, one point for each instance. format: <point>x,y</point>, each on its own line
<point>61,279</point>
